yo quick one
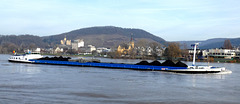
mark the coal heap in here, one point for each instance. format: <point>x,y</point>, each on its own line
<point>180,64</point>
<point>60,58</point>
<point>168,63</point>
<point>155,63</point>
<point>142,63</point>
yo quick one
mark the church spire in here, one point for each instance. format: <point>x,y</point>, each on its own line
<point>65,38</point>
<point>131,41</point>
<point>131,37</point>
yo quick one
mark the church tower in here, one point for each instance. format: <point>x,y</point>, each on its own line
<point>131,43</point>
<point>65,41</point>
<point>128,49</point>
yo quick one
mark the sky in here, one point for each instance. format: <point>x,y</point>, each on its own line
<point>172,20</point>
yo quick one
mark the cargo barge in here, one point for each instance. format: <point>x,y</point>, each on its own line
<point>168,65</point>
<point>108,65</point>
<point>138,66</point>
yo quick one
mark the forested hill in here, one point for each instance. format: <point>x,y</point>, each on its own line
<point>13,42</point>
<point>212,43</point>
<point>22,40</point>
<point>107,36</point>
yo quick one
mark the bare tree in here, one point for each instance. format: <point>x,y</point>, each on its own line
<point>156,48</point>
<point>32,46</point>
<point>7,47</point>
<point>132,53</point>
<point>185,51</point>
<point>227,44</point>
<point>173,50</point>
<point>142,43</point>
<point>141,46</point>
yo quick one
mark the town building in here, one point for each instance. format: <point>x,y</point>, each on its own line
<point>87,49</point>
<point>80,42</point>
<point>65,41</point>
<point>124,50</point>
<point>140,51</point>
<point>237,53</point>
<point>91,48</point>
<point>149,51</point>
<point>222,53</point>
<point>48,51</point>
<point>217,53</point>
<point>103,49</point>
<point>36,50</point>
<point>58,50</point>
<point>201,54</point>
<point>77,44</point>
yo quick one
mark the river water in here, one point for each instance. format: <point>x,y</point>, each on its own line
<point>52,84</point>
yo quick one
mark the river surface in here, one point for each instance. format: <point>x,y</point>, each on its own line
<point>22,83</point>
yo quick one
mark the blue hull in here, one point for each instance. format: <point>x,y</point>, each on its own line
<point>110,65</point>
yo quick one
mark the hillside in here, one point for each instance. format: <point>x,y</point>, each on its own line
<point>107,36</point>
<point>8,43</point>
<point>212,43</point>
<point>23,40</point>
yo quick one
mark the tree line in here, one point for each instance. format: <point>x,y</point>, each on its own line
<point>10,43</point>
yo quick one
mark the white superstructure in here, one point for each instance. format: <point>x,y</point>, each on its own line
<point>25,57</point>
<point>201,69</point>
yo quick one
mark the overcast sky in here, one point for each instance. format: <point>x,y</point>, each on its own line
<point>173,20</point>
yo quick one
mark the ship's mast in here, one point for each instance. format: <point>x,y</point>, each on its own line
<point>194,53</point>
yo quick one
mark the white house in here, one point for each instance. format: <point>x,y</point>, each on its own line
<point>77,44</point>
<point>222,53</point>
<point>237,53</point>
<point>80,42</point>
<point>58,50</point>
<point>103,49</point>
<point>87,49</point>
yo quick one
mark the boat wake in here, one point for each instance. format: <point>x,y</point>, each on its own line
<point>224,72</point>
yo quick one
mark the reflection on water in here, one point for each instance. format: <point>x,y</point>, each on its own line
<point>35,83</point>
<point>28,69</point>
<point>206,76</point>
<point>20,68</point>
